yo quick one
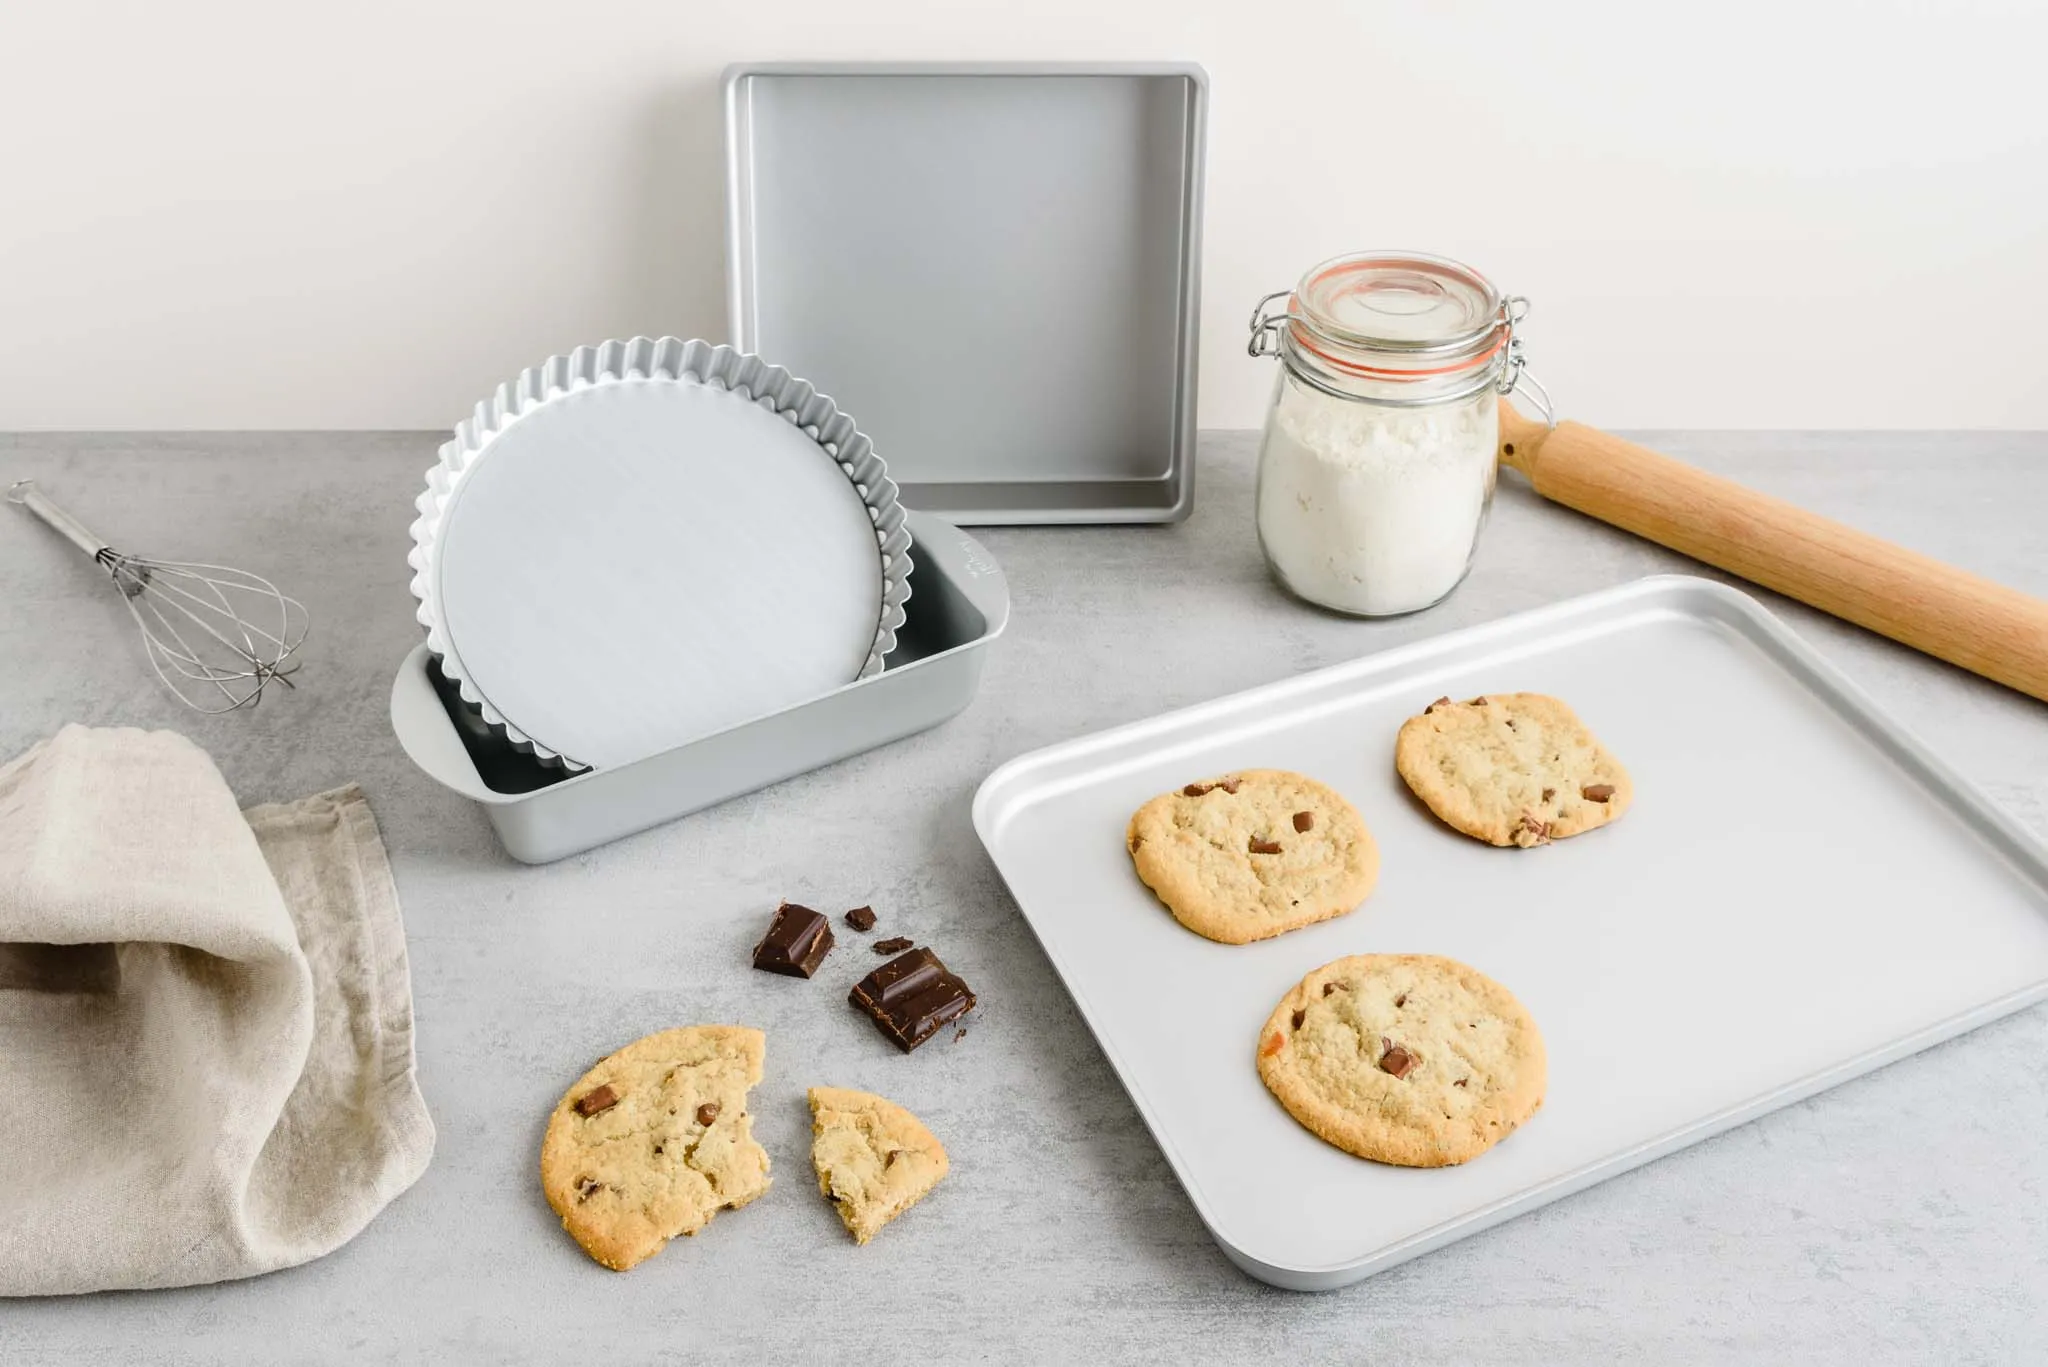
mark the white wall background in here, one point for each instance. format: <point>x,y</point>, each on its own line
<point>272,213</point>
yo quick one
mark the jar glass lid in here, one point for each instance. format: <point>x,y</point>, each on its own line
<point>1405,302</point>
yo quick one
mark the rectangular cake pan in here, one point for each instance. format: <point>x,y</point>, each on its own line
<point>959,603</point>
<point>1799,894</point>
<point>995,266</point>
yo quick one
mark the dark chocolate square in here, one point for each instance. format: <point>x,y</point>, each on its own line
<point>911,996</point>
<point>797,941</point>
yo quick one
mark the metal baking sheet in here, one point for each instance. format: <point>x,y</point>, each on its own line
<point>1800,893</point>
<point>997,266</point>
<point>959,604</point>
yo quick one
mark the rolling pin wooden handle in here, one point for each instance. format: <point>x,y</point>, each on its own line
<point>1953,615</point>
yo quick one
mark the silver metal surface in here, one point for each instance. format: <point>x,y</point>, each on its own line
<point>996,265</point>
<point>1801,893</point>
<point>960,604</point>
<point>215,635</point>
<point>644,542</point>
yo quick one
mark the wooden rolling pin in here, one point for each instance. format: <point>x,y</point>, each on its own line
<point>1986,628</point>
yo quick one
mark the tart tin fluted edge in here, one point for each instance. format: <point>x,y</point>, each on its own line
<point>768,386</point>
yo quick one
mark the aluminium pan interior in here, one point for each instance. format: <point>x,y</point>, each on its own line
<point>1801,892</point>
<point>959,604</point>
<point>996,265</point>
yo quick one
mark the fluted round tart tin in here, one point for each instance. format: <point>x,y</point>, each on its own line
<point>644,542</point>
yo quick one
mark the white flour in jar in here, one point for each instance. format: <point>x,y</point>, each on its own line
<point>1374,509</point>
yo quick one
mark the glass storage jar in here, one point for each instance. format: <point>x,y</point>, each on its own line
<point>1376,469</point>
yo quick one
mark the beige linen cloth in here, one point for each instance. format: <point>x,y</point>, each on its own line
<point>206,1062</point>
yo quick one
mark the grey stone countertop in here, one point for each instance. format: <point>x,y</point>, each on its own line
<point>1902,1217</point>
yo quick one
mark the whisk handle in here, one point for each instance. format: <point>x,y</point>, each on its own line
<point>28,496</point>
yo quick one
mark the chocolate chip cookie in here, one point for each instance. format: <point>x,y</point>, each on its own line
<point>1511,769</point>
<point>1253,854</point>
<point>1409,1059</point>
<point>655,1140</point>
<point>875,1160</point>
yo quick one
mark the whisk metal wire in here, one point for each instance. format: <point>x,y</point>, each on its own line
<point>224,633</point>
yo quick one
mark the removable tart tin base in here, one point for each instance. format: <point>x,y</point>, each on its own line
<point>643,542</point>
<point>541,813</point>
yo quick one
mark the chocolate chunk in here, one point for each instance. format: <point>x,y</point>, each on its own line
<point>587,1187</point>
<point>1231,785</point>
<point>597,1101</point>
<point>1400,1001</point>
<point>1304,821</point>
<point>894,945</point>
<point>1196,789</point>
<point>1299,1017</point>
<point>861,918</point>
<point>1444,701</point>
<point>1394,1059</point>
<point>911,997</point>
<point>1479,701</point>
<point>1328,988</point>
<point>1597,792</point>
<point>1539,829</point>
<point>707,1113</point>
<point>1265,846</point>
<point>797,941</point>
<point>1548,793</point>
<point>1461,1082</point>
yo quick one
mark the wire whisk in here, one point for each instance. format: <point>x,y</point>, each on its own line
<point>216,636</point>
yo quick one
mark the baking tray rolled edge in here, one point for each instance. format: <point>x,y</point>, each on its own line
<point>596,806</point>
<point>1168,499</point>
<point>1012,781</point>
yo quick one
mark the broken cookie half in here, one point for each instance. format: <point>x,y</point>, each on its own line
<point>875,1160</point>
<point>655,1140</point>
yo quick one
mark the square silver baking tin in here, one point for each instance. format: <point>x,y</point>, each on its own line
<point>959,603</point>
<point>996,265</point>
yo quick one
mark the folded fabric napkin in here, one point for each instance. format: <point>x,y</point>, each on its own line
<point>206,1062</point>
